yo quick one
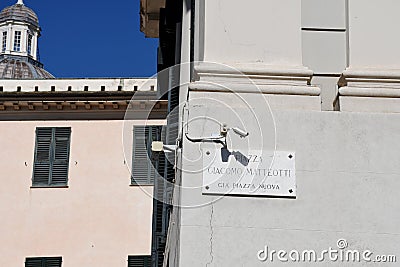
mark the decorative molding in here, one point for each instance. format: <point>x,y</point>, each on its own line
<point>277,89</point>
<point>372,72</point>
<point>31,110</point>
<point>369,90</point>
<point>254,69</point>
<point>254,78</point>
<point>370,78</point>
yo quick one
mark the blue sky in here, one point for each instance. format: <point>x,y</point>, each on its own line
<point>89,38</point>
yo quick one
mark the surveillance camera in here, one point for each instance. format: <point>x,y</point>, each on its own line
<point>157,146</point>
<point>240,132</point>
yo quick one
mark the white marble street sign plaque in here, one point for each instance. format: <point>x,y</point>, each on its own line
<point>253,173</point>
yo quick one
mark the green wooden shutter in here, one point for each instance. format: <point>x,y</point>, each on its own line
<point>159,196</point>
<point>143,164</point>
<point>153,135</point>
<point>41,168</point>
<point>163,187</point>
<point>43,262</point>
<point>33,262</point>
<point>52,262</point>
<point>51,156</point>
<point>59,173</point>
<point>139,261</point>
<point>140,166</point>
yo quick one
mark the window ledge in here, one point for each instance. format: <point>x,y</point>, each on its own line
<point>49,186</point>
<point>137,185</point>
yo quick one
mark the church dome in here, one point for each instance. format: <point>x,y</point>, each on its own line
<point>19,53</point>
<point>19,12</point>
<point>22,68</point>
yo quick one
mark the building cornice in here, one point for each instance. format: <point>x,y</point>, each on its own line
<point>286,87</point>
<point>82,110</point>
<point>257,73</point>
<point>79,99</point>
<point>77,96</point>
<point>254,78</point>
<point>79,85</point>
<point>150,16</point>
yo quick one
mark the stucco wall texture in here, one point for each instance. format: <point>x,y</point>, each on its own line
<point>347,170</point>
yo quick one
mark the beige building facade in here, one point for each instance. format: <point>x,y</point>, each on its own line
<point>94,212</point>
<point>96,219</point>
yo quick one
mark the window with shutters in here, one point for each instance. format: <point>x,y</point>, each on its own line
<point>143,162</point>
<point>51,156</point>
<point>139,261</point>
<point>43,262</point>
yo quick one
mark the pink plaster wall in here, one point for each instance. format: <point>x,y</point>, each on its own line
<point>97,221</point>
